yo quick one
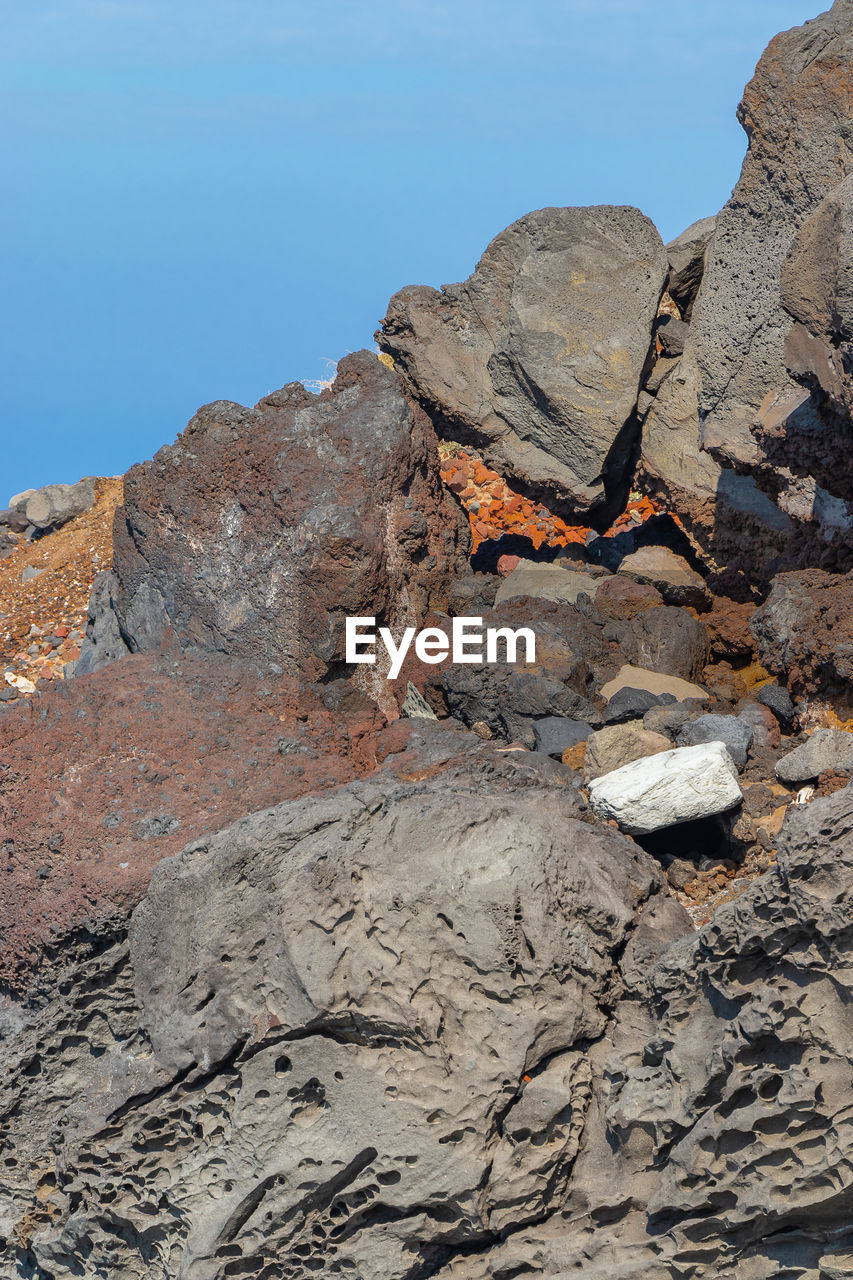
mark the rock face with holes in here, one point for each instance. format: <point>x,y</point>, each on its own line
<point>718,1143</point>
<point>540,352</point>
<point>746,454</point>
<point>259,530</point>
<point>302,1059</point>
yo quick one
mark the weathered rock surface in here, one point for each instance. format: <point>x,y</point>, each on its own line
<point>731,392</point>
<point>618,744</point>
<point>718,1146</point>
<point>666,789</point>
<point>556,734</point>
<point>804,631</point>
<point>825,749</point>
<point>817,291</point>
<point>261,529</point>
<point>622,598</point>
<point>539,354</point>
<point>734,733</point>
<point>793,112</point>
<point>572,658</point>
<point>668,640</point>
<point>393,1074</point>
<point>54,504</point>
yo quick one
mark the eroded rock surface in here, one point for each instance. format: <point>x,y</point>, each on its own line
<point>539,353</point>
<point>261,529</point>
<point>305,1060</point>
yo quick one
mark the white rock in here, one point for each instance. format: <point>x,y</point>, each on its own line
<point>663,790</point>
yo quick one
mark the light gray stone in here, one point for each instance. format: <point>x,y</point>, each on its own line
<point>664,790</point>
<point>825,749</point>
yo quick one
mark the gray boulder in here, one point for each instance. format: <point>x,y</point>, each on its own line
<point>103,642</point>
<point>825,749</point>
<point>734,733</point>
<point>349,1034</point>
<point>717,1146</point>
<point>686,255</point>
<point>54,504</point>
<point>555,734</point>
<point>541,351</point>
<point>797,154</point>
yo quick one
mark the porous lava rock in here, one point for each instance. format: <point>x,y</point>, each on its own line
<point>261,529</point>
<point>804,632</point>
<point>539,354</point>
<point>396,1073</point>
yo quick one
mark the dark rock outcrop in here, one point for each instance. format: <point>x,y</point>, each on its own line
<point>538,355</point>
<point>259,530</point>
<point>804,632</point>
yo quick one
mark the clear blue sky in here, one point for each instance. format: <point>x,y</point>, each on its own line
<point>203,199</point>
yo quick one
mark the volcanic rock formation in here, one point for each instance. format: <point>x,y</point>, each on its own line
<point>526,969</point>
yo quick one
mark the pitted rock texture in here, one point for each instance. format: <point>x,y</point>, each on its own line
<point>718,1142</point>
<point>261,529</point>
<point>539,354</point>
<point>731,393</point>
<point>796,113</point>
<point>305,1061</point>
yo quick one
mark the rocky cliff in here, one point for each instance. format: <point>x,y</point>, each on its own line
<point>531,968</point>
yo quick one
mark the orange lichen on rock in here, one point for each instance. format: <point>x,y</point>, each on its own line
<point>494,509</point>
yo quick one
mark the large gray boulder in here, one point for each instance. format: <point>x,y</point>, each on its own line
<point>349,1035</point>
<point>718,1145</point>
<point>795,112</point>
<point>540,352</point>
<point>54,504</point>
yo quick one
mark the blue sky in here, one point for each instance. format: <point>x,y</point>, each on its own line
<point>206,199</point>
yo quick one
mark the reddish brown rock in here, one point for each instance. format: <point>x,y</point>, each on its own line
<point>261,529</point>
<point>105,775</point>
<point>621,599</point>
<point>804,632</point>
<point>728,629</point>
